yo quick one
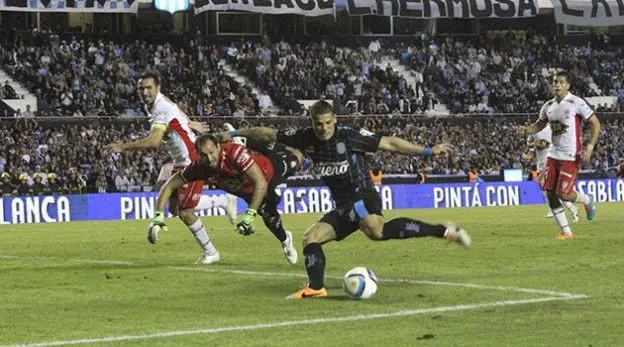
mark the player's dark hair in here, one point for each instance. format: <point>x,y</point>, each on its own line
<point>205,138</point>
<point>321,107</point>
<point>153,75</point>
<point>564,73</point>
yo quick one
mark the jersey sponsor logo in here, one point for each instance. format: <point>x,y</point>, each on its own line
<point>366,132</point>
<point>341,148</point>
<point>558,128</point>
<point>333,168</point>
<point>243,158</point>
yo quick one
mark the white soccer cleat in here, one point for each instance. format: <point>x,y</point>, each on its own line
<point>550,214</point>
<point>575,213</point>
<point>209,259</point>
<point>456,234</point>
<point>289,250</point>
<point>230,208</point>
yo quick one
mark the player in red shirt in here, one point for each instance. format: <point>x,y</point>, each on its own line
<point>248,174</point>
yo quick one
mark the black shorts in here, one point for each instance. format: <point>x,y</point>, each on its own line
<point>284,165</point>
<point>345,219</point>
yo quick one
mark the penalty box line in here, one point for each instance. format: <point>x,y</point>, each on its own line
<point>387,280</point>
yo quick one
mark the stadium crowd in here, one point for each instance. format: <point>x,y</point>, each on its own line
<point>81,77</point>
<point>312,70</point>
<point>36,159</point>
<point>501,73</point>
<point>507,73</point>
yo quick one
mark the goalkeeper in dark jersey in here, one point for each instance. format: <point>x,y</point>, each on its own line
<point>338,154</point>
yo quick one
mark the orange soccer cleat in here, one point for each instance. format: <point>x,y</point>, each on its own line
<point>307,292</point>
<point>563,236</point>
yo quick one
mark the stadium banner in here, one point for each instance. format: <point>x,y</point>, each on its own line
<point>123,206</point>
<point>97,6</point>
<point>311,8</point>
<point>444,8</point>
<point>593,13</point>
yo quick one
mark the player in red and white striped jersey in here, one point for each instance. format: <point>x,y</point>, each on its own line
<point>565,114</point>
<point>171,126</point>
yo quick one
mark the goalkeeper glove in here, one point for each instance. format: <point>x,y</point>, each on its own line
<point>157,224</point>
<point>246,225</point>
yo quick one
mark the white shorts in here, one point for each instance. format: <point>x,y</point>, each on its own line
<point>165,172</point>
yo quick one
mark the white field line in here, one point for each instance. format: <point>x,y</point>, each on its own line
<point>92,261</point>
<point>387,280</point>
<point>298,322</point>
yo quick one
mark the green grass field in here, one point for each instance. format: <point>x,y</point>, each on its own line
<point>103,283</point>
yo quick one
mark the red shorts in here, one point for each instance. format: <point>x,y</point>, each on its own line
<point>189,194</point>
<point>559,175</point>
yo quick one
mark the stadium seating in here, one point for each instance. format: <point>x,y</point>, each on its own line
<point>486,145</point>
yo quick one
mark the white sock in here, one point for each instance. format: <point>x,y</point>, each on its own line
<point>582,198</point>
<point>569,205</point>
<point>561,219</point>
<point>201,236</point>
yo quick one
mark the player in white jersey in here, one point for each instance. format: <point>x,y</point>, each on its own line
<point>539,147</point>
<point>565,113</point>
<point>171,126</point>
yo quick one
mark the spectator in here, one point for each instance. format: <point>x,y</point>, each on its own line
<point>8,91</point>
<point>122,183</point>
<point>265,101</point>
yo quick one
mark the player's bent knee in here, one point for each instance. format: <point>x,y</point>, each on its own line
<point>372,226</point>
<point>310,237</point>
<point>375,234</point>
<point>188,216</point>
<point>318,234</point>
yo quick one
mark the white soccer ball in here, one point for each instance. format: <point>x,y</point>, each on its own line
<point>360,283</point>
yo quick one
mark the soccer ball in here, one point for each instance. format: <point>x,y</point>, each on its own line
<point>360,283</point>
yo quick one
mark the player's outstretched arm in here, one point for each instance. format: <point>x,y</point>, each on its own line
<point>595,127</point>
<point>199,127</point>
<point>260,186</point>
<point>528,155</point>
<point>398,145</point>
<point>150,142</point>
<point>258,134</point>
<point>534,128</point>
<point>246,225</point>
